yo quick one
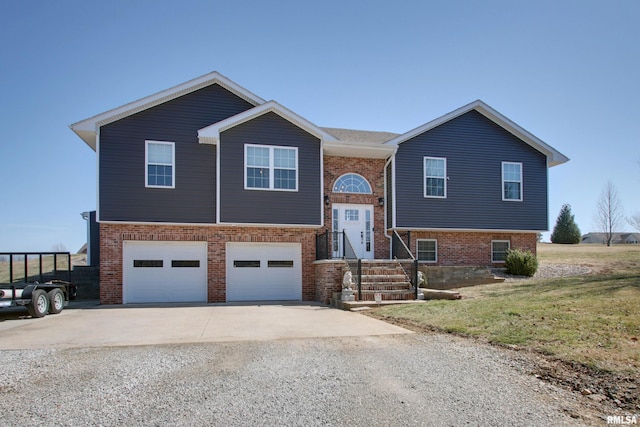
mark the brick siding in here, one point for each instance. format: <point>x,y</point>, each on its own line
<point>373,171</point>
<point>329,275</point>
<point>112,237</point>
<point>471,248</point>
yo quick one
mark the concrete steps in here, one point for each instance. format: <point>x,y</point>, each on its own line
<point>387,278</point>
<point>367,305</point>
<point>369,295</point>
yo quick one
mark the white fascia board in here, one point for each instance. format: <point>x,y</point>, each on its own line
<point>211,133</point>
<point>323,220</point>
<point>466,230</point>
<point>394,215</point>
<point>218,183</point>
<point>86,129</point>
<point>97,175</point>
<point>554,156</point>
<point>251,224</point>
<point>211,224</point>
<point>368,151</point>
<point>89,137</point>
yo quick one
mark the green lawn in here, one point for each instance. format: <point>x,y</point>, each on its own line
<point>593,320</point>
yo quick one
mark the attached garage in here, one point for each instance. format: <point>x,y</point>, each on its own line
<point>164,272</point>
<point>264,271</point>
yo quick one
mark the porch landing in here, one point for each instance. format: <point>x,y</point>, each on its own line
<point>366,305</point>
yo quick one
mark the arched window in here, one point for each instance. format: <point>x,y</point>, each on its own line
<point>351,183</point>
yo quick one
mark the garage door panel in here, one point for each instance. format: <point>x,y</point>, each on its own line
<point>164,272</point>
<point>264,271</point>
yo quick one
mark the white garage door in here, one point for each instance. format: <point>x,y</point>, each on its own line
<point>164,271</point>
<point>264,271</point>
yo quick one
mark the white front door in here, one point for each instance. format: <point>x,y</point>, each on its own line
<point>357,223</point>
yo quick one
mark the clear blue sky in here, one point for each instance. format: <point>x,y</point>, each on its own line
<point>567,71</point>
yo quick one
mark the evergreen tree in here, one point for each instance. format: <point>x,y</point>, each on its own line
<point>566,230</point>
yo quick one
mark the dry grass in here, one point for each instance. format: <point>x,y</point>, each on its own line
<point>601,259</point>
<point>33,266</point>
<point>593,320</point>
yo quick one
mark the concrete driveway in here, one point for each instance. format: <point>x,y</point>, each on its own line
<point>92,325</point>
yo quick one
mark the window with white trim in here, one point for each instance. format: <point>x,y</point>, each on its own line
<point>499,250</point>
<point>512,181</point>
<point>352,215</point>
<point>435,177</point>
<point>428,250</point>
<point>352,183</point>
<point>160,164</point>
<point>270,167</point>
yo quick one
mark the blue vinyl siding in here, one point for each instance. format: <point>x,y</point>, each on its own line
<point>123,196</point>
<point>238,205</point>
<point>475,148</point>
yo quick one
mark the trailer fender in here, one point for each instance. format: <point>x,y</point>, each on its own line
<point>28,290</point>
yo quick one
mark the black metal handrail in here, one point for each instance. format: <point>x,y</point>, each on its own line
<point>410,268</point>
<point>349,252</point>
<point>334,245</point>
<point>401,252</point>
<point>322,246</point>
<point>328,245</point>
<point>353,262</point>
<point>399,249</point>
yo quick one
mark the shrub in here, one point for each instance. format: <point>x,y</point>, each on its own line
<point>521,263</point>
<point>566,230</point>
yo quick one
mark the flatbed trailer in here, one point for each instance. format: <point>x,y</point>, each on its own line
<point>39,298</point>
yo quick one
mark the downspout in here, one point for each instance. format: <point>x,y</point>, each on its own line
<point>87,217</point>
<point>386,204</point>
<point>97,174</point>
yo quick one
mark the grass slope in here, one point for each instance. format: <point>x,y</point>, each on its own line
<point>593,320</point>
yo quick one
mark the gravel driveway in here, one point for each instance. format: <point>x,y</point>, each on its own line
<point>416,379</point>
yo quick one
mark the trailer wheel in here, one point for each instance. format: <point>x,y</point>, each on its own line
<point>56,301</point>
<point>39,305</point>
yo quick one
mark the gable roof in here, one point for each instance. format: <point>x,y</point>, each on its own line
<point>338,142</point>
<point>364,136</point>
<point>359,143</point>
<point>87,128</point>
<point>211,133</point>
<point>554,156</point>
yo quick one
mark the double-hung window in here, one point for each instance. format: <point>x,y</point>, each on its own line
<point>499,250</point>
<point>160,164</point>
<point>435,177</point>
<point>512,181</point>
<point>428,250</point>
<point>271,167</point>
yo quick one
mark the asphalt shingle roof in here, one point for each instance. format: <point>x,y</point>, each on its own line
<point>363,136</point>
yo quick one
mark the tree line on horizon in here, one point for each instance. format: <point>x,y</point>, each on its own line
<point>608,219</point>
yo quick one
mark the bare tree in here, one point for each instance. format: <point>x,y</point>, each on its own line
<point>609,216</point>
<point>634,220</point>
<point>59,247</point>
